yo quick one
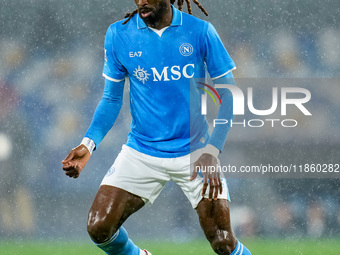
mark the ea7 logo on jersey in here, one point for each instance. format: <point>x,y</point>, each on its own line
<point>135,54</point>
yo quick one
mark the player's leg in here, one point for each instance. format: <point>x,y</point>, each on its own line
<point>214,217</point>
<point>111,207</point>
<point>133,179</point>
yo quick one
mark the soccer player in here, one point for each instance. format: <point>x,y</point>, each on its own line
<point>161,51</point>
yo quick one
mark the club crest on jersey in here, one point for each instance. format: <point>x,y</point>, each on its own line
<point>141,74</point>
<point>186,49</point>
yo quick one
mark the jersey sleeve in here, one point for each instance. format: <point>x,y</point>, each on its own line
<point>106,112</point>
<point>113,69</point>
<point>219,135</point>
<point>217,59</point>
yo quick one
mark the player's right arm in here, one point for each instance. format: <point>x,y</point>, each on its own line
<point>103,119</point>
<point>105,113</point>
<point>76,161</point>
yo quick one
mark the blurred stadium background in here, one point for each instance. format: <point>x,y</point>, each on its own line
<point>51,58</point>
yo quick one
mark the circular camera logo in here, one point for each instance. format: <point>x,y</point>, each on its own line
<point>186,49</point>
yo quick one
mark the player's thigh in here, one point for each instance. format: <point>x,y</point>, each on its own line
<point>137,173</point>
<point>214,217</point>
<point>181,173</point>
<point>111,207</point>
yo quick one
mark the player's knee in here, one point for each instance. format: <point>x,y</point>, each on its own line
<point>223,243</point>
<point>99,230</point>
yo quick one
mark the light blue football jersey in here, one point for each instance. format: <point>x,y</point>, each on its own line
<point>165,109</point>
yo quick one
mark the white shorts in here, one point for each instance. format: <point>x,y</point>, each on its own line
<point>145,176</point>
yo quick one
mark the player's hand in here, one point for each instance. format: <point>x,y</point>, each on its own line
<point>76,161</point>
<point>207,163</point>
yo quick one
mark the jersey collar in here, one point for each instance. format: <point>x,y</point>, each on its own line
<point>176,19</point>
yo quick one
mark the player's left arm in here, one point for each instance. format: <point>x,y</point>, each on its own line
<point>220,67</point>
<point>219,135</point>
<point>216,142</point>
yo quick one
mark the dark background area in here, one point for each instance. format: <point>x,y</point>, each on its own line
<point>51,59</point>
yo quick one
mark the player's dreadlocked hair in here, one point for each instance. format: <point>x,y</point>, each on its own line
<point>180,3</point>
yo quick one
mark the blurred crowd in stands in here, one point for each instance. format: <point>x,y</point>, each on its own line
<point>50,84</point>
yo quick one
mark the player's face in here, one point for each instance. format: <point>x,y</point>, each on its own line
<point>151,11</point>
